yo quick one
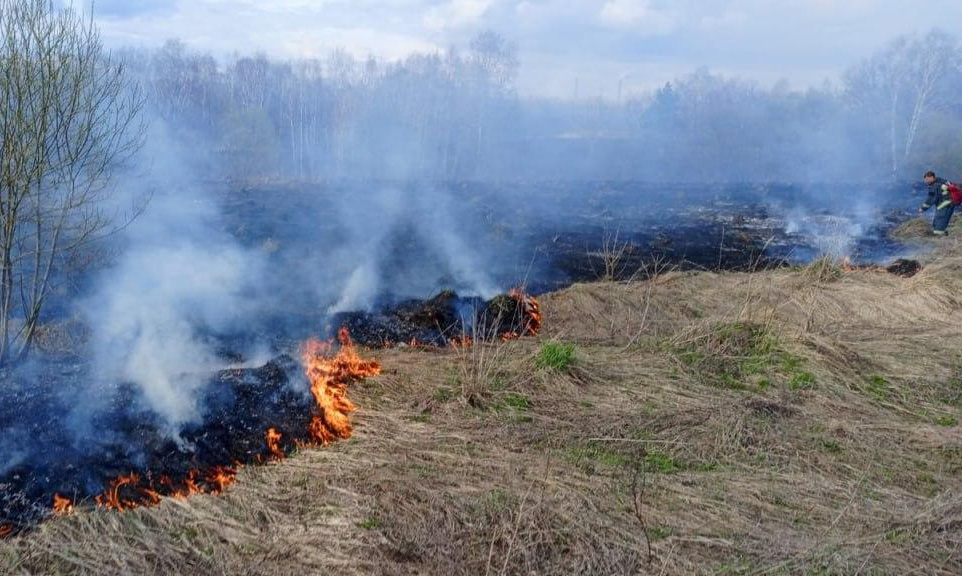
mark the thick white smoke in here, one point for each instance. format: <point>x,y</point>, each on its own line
<point>180,278</point>
<point>176,282</point>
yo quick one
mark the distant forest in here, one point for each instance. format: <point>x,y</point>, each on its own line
<point>456,116</point>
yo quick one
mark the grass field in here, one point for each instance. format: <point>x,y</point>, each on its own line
<point>784,422</point>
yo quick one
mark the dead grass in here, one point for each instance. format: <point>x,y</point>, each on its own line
<point>752,424</point>
<point>824,270</point>
<point>921,227</point>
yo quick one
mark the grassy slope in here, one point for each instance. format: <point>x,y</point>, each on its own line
<point>781,422</point>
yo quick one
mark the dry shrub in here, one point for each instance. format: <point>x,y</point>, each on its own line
<point>612,255</point>
<point>484,359</point>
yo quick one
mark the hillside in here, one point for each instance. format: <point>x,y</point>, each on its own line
<point>789,421</point>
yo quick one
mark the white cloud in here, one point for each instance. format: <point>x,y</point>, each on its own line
<point>456,13</point>
<point>638,15</point>
<point>562,42</point>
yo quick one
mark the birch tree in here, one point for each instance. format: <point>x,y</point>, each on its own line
<point>903,84</point>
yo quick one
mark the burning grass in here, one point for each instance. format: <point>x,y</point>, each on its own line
<point>329,376</point>
<point>758,424</point>
<point>330,368</point>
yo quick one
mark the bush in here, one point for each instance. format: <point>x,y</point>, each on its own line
<point>556,356</point>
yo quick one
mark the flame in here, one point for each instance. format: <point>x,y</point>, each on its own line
<point>5,531</point>
<point>127,492</point>
<point>461,342</point>
<point>530,315</point>
<point>190,484</point>
<point>274,444</point>
<point>62,506</point>
<point>189,488</point>
<point>151,497</point>
<point>220,478</point>
<point>112,497</point>
<point>329,377</point>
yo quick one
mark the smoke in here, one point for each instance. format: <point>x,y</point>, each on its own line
<point>180,281</point>
<point>186,282</point>
<point>406,242</point>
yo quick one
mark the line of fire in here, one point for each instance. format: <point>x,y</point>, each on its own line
<point>258,416</point>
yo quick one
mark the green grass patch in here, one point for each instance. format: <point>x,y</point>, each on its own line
<point>824,270</point>
<point>518,402</point>
<point>657,533</point>
<point>897,536</point>
<point>556,356</point>
<point>802,381</point>
<point>444,394</point>
<point>953,396</point>
<point>878,388</point>
<point>661,462</point>
<point>947,421</point>
<point>740,356</point>
<point>370,523</point>
<point>516,405</point>
<point>831,445</point>
<point>420,418</point>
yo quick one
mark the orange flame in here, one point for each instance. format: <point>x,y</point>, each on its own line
<point>274,444</point>
<point>189,488</point>
<point>5,531</point>
<point>530,313</point>
<point>112,498</point>
<point>329,377</point>
<point>220,478</point>
<point>62,506</point>
<point>126,492</point>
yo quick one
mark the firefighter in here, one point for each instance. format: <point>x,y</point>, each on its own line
<point>941,199</point>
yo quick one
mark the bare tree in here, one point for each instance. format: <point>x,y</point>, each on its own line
<point>902,84</point>
<point>68,117</point>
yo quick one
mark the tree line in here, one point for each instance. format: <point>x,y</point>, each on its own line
<point>456,115</point>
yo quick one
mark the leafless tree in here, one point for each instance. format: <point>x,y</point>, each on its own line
<point>903,84</point>
<point>68,117</point>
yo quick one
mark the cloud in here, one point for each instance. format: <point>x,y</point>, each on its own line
<point>639,15</point>
<point>127,9</point>
<point>591,42</point>
<point>456,13</point>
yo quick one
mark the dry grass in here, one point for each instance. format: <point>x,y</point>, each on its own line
<point>921,227</point>
<point>752,424</point>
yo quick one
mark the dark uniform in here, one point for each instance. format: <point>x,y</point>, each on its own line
<point>940,198</point>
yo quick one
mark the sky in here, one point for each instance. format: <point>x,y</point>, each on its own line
<point>568,48</point>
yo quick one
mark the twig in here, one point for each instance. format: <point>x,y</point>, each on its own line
<point>638,500</point>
